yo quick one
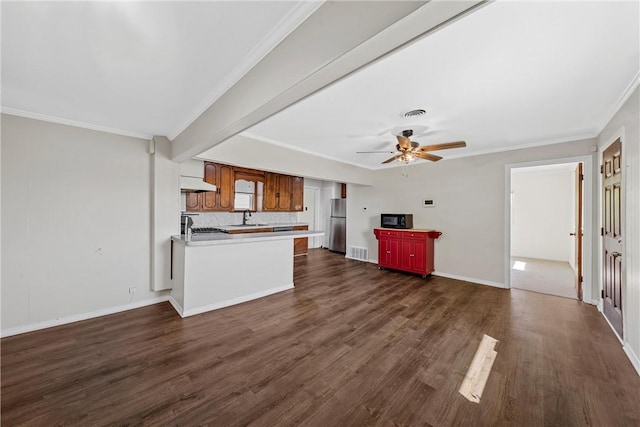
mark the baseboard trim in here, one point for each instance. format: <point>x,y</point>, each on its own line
<point>176,306</point>
<point>358,259</point>
<point>470,279</point>
<point>635,361</point>
<point>80,317</point>
<point>234,301</point>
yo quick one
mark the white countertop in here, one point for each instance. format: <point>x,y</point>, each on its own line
<point>254,226</point>
<point>207,239</point>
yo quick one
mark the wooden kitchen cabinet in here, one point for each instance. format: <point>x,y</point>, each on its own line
<point>193,202</point>
<point>214,201</point>
<point>297,193</point>
<point>283,193</point>
<point>300,245</point>
<point>406,250</point>
<point>222,177</point>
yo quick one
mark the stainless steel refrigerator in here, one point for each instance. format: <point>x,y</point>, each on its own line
<point>338,226</point>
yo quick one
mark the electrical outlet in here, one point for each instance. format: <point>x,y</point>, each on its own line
<point>427,203</point>
<point>133,290</point>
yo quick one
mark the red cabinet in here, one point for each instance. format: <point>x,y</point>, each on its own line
<point>406,250</point>
<point>388,248</point>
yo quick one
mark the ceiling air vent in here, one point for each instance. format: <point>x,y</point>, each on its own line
<point>414,113</point>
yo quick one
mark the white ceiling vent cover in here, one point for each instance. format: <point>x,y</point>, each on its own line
<point>359,253</point>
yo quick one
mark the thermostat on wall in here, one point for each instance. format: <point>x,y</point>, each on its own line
<point>427,203</point>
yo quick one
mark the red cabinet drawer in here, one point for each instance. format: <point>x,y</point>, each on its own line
<point>414,235</point>
<point>388,233</point>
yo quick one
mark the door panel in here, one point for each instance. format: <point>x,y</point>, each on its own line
<point>394,253</point>
<point>612,235</point>
<point>192,202</point>
<point>407,255</point>
<point>578,231</point>
<point>419,260</point>
<point>226,187</point>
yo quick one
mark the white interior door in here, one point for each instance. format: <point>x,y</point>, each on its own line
<point>309,213</point>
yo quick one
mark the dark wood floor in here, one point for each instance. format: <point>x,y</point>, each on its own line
<point>350,346</point>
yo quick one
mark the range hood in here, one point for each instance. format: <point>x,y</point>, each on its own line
<point>192,177</point>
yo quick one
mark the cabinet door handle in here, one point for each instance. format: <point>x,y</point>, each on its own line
<point>411,254</point>
<point>388,252</point>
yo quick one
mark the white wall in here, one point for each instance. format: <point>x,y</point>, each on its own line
<point>251,153</point>
<point>542,213</point>
<point>75,220</point>
<point>626,123</point>
<point>470,208</point>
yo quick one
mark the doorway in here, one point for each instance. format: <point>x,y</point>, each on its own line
<point>544,230</point>
<point>548,227</point>
<point>310,215</point>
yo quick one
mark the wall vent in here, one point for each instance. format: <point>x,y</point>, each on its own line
<point>359,253</point>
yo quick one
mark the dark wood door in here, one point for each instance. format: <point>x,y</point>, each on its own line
<point>284,193</point>
<point>612,234</point>
<point>578,231</point>
<point>226,190</point>
<point>270,200</point>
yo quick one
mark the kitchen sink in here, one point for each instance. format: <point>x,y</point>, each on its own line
<point>249,225</point>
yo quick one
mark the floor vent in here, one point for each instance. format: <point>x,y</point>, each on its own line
<point>356,252</point>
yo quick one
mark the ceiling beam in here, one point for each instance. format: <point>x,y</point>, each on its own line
<point>336,40</point>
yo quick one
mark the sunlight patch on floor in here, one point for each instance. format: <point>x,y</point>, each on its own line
<point>474,381</point>
<point>519,265</point>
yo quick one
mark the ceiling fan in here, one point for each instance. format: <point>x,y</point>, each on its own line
<point>408,150</point>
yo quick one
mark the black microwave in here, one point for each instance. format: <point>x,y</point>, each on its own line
<point>396,220</point>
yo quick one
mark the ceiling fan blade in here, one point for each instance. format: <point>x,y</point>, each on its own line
<point>404,142</point>
<point>427,156</point>
<point>443,146</point>
<point>397,156</point>
<point>364,152</point>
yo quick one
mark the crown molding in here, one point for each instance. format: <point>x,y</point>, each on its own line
<point>624,96</point>
<point>300,150</point>
<point>67,122</point>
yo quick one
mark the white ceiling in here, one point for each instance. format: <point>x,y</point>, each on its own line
<point>136,68</point>
<point>510,74</point>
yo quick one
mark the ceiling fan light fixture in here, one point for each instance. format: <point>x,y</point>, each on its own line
<point>414,113</point>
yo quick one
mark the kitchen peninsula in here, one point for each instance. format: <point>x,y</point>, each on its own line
<point>211,271</point>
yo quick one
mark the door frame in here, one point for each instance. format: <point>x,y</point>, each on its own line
<point>318,241</point>
<point>589,286</point>
<point>618,134</point>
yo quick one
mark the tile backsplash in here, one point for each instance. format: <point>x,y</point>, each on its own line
<point>212,219</point>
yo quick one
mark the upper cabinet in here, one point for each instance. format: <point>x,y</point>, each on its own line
<point>283,193</point>
<point>297,193</point>
<point>242,189</point>
<point>213,201</point>
<point>222,177</point>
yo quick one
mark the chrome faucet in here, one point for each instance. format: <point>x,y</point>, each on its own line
<point>245,216</point>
